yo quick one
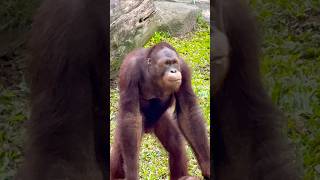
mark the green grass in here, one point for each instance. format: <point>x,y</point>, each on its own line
<point>12,115</point>
<point>15,20</point>
<point>291,65</point>
<point>195,49</point>
<point>16,14</point>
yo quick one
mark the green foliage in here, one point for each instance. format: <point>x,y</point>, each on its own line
<point>291,64</point>
<point>195,49</point>
<point>12,115</point>
<point>16,13</point>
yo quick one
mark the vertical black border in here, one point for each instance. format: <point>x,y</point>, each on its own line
<point>108,90</point>
<point>212,104</point>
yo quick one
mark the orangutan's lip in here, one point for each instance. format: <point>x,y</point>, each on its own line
<point>174,80</point>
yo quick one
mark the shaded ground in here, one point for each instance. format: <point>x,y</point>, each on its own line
<point>13,107</point>
<point>15,20</point>
<point>291,65</point>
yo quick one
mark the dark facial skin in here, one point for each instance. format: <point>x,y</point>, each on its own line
<point>249,139</point>
<point>156,96</point>
<point>166,64</point>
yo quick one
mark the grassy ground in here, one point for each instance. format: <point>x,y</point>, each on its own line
<point>291,65</point>
<point>16,13</point>
<point>13,110</point>
<point>195,49</point>
<point>15,20</point>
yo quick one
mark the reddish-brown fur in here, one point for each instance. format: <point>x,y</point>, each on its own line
<point>134,87</point>
<point>249,138</point>
<point>67,135</point>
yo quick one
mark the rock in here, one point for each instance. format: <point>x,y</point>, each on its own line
<point>180,1</point>
<point>131,26</point>
<point>177,18</point>
<point>317,168</point>
<point>204,5</point>
<point>134,22</point>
